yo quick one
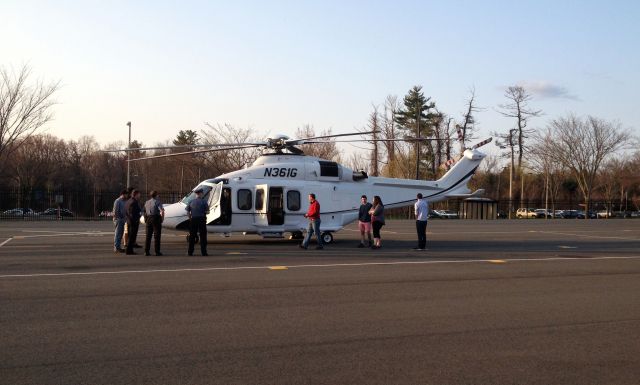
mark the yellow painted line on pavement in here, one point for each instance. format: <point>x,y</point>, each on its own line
<point>278,268</point>
<point>497,261</point>
<point>235,253</point>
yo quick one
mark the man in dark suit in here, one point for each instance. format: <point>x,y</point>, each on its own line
<point>133,212</point>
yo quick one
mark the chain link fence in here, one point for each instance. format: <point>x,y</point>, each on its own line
<point>40,205</point>
<point>37,205</point>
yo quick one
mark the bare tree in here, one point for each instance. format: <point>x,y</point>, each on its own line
<point>326,150</point>
<point>440,132</point>
<point>542,162</point>
<point>24,108</point>
<point>508,142</point>
<point>389,129</point>
<point>225,161</point>
<point>359,162</point>
<point>374,127</point>
<point>518,108</point>
<point>467,127</point>
<point>582,145</point>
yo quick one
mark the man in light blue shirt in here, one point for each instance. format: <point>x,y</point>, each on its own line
<point>119,220</point>
<point>421,209</point>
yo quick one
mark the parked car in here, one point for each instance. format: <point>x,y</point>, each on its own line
<point>558,214</point>
<point>526,213</point>
<point>106,214</point>
<point>604,214</point>
<point>432,214</point>
<point>571,214</point>
<point>542,213</point>
<point>447,214</point>
<point>54,212</point>
<point>19,212</point>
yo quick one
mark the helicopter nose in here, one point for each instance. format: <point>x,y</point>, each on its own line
<point>174,214</point>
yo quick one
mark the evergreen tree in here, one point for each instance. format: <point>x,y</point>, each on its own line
<point>186,137</point>
<point>416,121</point>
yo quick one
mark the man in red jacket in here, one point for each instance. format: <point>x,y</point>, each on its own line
<point>313,214</point>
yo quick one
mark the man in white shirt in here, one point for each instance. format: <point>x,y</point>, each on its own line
<point>421,209</point>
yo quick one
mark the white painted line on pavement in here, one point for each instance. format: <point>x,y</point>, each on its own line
<point>589,236</point>
<point>364,264</point>
<point>5,242</point>
<point>92,234</point>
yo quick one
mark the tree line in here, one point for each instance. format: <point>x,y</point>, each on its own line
<point>581,158</point>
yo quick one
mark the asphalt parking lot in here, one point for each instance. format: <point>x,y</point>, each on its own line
<point>494,302</point>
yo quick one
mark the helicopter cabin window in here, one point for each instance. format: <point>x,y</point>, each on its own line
<point>328,168</point>
<point>259,199</point>
<point>192,195</point>
<point>293,200</point>
<point>244,199</point>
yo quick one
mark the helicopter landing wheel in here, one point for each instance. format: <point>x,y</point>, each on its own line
<point>327,237</point>
<point>196,240</point>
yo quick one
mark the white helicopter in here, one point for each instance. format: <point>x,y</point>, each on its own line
<point>269,198</point>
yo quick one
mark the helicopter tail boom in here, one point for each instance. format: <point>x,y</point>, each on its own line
<point>452,184</point>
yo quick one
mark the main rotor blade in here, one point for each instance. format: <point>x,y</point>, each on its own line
<point>381,140</point>
<point>193,152</point>
<point>294,142</point>
<point>186,146</point>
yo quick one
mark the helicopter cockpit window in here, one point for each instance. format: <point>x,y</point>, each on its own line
<point>192,195</point>
<point>244,199</point>
<point>293,200</point>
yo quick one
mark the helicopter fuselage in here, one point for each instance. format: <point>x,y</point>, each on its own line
<point>270,197</point>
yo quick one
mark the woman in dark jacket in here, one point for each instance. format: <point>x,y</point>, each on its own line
<point>377,220</point>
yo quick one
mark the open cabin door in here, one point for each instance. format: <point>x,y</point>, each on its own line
<point>219,206</point>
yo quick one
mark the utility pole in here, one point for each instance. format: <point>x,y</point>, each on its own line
<point>128,156</point>
<point>521,188</point>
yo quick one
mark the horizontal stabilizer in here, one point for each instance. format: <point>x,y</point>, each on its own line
<point>474,194</point>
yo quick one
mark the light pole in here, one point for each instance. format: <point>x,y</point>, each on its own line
<point>546,195</point>
<point>511,131</point>
<point>510,188</point>
<point>128,155</point>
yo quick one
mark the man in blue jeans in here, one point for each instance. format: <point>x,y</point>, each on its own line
<point>119,220</point>
<point>421,209</point>
<point>313,214</point>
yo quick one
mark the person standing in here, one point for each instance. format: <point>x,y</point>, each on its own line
<point>198,210</point>
<point>377,220</point>
<point>153,217</point>
<point>364,221</point>
<point>313,215</point>
<point>119,219</point>
<point>421,210</point>
<point>133,211</point>
<point>125,237</point>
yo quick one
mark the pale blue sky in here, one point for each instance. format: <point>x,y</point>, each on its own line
<point>276,65</point>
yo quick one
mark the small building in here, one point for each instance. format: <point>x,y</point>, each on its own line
<point>479,208</point>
